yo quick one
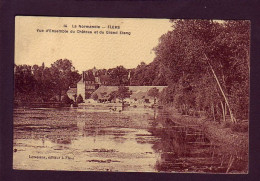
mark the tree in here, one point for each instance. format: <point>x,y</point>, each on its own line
<point>63,75</point>
<point>122,93</point>
<point>80,99</point>
<point>67,100</point>
<point>25,83</point>
<point>148,75</point>
<point>118,76</point>
<point>95,96</point>
<point>112,95</point>
<point>207,50</point>
<point>166,95</point>
<point>40,83</point>
<point>231,66</point>
<point>153,92</point>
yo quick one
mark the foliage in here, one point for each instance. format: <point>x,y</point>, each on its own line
<point>118,76</point>
<point>63,75</point>
<point>42,83</point>
<point>148,75</point>
<point>95,96</point>
<point>153,92</point>
<point>240,127</point>
<point>80,99</point>
<point>207,62</point>
<point>113,95</point>
<point>166,95</point>
<point>67,100</point>
<point>122,93</point>
<point>143,75</point>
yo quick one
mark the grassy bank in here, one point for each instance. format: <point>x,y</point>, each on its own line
<point>220,132</point>
<point>230,138</point>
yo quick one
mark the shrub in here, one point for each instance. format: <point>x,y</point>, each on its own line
<point>240,127</point>
<point>227,124</point>
<point>80,99</point>
<point>67,100</point>
<point>95,96</point>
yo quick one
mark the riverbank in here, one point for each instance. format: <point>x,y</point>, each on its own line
<point>40,104</point>
<point>233,142</point>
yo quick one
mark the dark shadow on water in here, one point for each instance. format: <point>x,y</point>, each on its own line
<point>187,149</point>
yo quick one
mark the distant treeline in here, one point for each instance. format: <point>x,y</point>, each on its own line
<point>205,64</point>
<point>41,84</point>
<point>142,75</point>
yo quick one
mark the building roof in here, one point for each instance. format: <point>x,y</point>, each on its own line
<point>140,95</point>
<point>138,92</point>
<point>105,89</point>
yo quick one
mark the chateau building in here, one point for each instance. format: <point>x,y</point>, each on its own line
<point>91,80</point>
<point>97,81</point>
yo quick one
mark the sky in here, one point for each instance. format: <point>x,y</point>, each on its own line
<point>35,45</point>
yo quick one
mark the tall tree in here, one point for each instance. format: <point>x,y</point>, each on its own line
<point>122,93</point>
<point>217,51</point>
<point>40,83</point>
<point>64,75</point>
<point>118,76</point>
<point>153,92</point>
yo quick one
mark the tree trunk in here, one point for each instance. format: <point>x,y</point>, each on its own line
<point>223,111</point>
<point>223,94</point>
<point>225,108</point>
<point>213,112</point>
<point>59,95</point>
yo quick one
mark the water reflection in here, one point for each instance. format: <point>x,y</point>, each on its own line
<point>96,139</point>
<point>187,149</point>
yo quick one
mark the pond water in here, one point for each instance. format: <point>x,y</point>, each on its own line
<point>94,138</point>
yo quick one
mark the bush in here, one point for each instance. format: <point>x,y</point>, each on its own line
<point>67,100</point>
<point>95,96</point>
<point>227,124</point>
<point>80,99</point>
<point>240,127</point>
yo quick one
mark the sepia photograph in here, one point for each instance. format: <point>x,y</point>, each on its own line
<point>131,95</point>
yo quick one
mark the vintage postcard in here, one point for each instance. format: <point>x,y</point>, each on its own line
<point>131,95</point>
